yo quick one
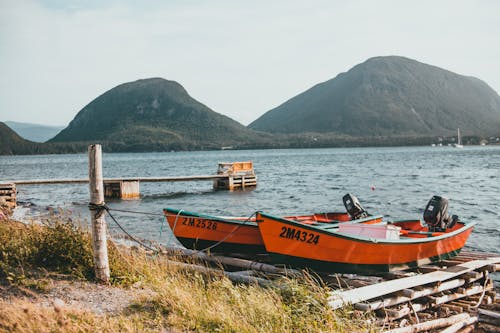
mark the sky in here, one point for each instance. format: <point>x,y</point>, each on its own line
<point>240,58</point>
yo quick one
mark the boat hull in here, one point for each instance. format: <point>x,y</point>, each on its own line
<point>201,232</point>
<point>328,250</point>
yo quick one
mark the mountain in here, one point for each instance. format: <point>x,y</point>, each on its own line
<point>34,132</point>
<point>153,115</point>
<point>12,143</point>
<point>390,96</point>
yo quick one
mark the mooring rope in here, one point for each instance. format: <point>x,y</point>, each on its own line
<point>99,208</point>
<point>135,212</point>
<point>175,224</point>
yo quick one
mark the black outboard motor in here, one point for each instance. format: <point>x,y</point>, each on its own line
<point>353,207</point>
<point>436,214</point>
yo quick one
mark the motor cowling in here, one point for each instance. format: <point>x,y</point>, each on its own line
<point>436,214</point>
<point>353,207</point>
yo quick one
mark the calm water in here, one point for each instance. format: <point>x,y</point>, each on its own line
<point>396,182</point>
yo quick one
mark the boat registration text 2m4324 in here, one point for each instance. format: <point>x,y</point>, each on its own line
<point>199,223</point>
<point>298,235</point>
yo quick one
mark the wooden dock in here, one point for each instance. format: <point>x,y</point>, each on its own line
<point>230,176</point>
<point>127,179</point>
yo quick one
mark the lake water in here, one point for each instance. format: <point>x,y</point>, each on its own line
<point>396,182</point>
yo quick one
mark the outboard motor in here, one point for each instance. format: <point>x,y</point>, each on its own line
<point>353,207</point>
<point>436,214</point>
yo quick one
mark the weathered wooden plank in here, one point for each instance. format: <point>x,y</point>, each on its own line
<point>452,297</point>
<point>458,326</point>
<point>431,324</point>
<point>230,261</point>
<point>10,192</point>
<point>338,299</point>
<point>454,307</point>
<point>489,313</point>
<point>467,329</point>
<point>390,301</point>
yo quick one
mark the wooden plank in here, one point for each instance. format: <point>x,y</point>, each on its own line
<point>10,192</point>
<point>339,299</point>
<point>467,329</point>
<point>452,297</point>
<point>390,301</point>
<point>461,324</point>
<point>454,307</point>
<point>488,313</point>
<point>431,324</point>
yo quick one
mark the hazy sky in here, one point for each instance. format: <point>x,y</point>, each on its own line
<point>240,58</point>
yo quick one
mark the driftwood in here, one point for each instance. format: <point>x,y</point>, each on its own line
<point>229,261</point>
<point>237,277</point>
<point>432,324</point>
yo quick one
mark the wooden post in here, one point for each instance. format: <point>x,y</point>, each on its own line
<point>99,242</point>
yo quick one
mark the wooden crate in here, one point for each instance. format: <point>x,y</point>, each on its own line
<point>239,175</point>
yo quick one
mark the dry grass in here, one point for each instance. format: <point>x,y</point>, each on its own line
<point>180,300</point>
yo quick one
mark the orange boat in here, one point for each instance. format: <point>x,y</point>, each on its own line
<point>359,248</point>
<point>237,234</point>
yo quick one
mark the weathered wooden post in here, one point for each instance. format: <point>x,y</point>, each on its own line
<point>99,242</point>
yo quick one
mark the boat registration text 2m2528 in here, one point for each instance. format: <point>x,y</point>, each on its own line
<point>199,223</point>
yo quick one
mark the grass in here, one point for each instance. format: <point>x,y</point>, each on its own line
<point>180,299</point>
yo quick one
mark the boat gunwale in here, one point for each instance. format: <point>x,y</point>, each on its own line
<point>186,213</point>
<point>466,226</point>
<point>323,225</point>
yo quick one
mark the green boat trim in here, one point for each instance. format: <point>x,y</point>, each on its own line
<point>182,212</point>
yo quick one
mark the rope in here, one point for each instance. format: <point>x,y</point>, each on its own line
<point>100,208</point>
<point>478,304</point>
<point>175,224</point>
<point>132,211</point>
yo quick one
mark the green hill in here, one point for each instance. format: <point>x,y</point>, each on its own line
<point>390,96</point>
<point>13,144</point>
<point>153,115</point>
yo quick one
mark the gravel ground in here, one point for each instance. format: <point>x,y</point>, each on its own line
<point>78,295</point>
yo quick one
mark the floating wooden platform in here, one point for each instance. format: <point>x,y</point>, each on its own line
<point>462,285</point>
<point>239,175</point>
